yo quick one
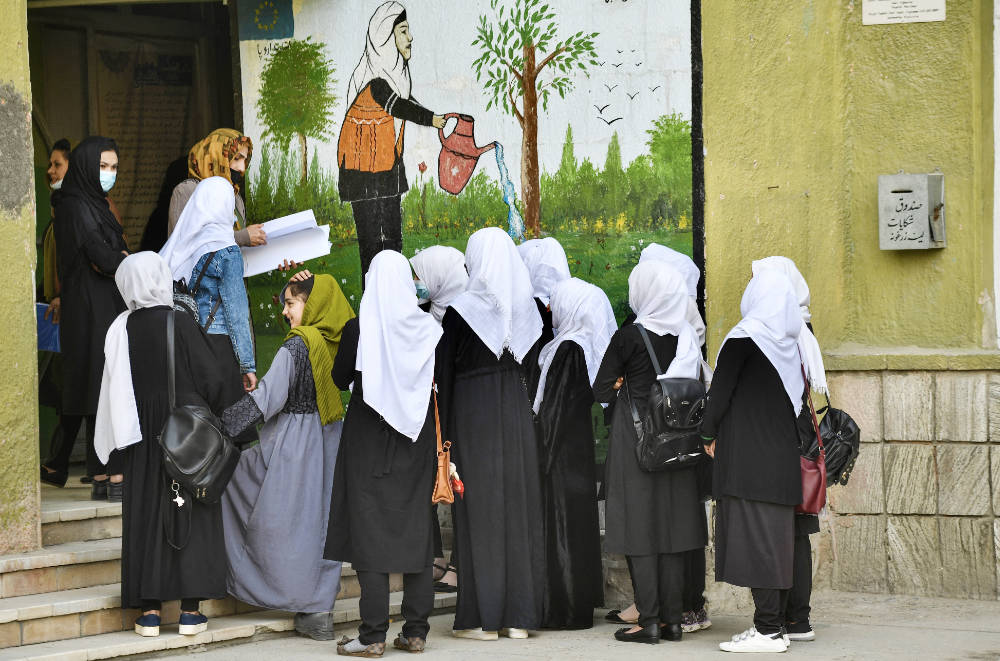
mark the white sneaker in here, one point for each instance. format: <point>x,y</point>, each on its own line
<point>515,633</point>
<point>475,634</point>
<point>752,640</point>
<point>806,636</point>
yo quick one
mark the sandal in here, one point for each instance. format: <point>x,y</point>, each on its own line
<point>616,617</point>
<point>440,585</point>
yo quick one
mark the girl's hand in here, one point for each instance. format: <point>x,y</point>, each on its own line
<point>289,264</point>
<point>301,276</point>
<point>618,383</point>
<point>249,382</point>
<point>710,449</point>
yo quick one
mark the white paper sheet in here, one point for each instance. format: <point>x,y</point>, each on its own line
<point>295,238</point>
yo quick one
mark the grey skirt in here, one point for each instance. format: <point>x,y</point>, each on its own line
<point>754,543</point>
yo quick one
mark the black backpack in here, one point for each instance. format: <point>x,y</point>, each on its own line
<point>667,437</point>
<point>841,441</point>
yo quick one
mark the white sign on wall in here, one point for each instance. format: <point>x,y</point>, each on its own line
<point>883,12</point>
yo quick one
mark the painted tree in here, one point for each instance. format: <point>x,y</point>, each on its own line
<point>522,59</point>
<point>296,98</point>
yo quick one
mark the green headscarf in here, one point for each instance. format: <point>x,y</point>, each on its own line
<point>323,318</point>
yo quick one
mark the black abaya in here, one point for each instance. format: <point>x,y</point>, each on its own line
<point>573,585</point>
<point>90,249</point>
<point>380,510</point>
<point>151,568</point>
<point>645,513</point>
<point>498,524</point>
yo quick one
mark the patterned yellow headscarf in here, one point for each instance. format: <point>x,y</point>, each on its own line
<point>211,156</point>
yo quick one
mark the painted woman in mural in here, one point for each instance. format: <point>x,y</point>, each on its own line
<point>370,150</point>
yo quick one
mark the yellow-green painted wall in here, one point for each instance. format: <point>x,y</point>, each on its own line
<point>19,489</point>
<point>803,108</point>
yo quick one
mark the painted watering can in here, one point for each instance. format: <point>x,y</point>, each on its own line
<point>459,154</point>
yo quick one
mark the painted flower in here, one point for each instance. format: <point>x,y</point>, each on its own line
<point>422,167</point>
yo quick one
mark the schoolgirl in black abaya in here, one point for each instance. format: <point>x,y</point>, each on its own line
<point>91,246</point>
<point>573,583</point>
<point>749,427</point>
<point>651,518</point>
<point>380,511</point>
<point>491,336</point>
<point>170,550</point>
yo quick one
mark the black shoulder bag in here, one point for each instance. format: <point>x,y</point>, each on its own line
<point>667,437</point>
<point>196,454</point>
<point>841,441</point>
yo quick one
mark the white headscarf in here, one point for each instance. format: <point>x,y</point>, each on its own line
<point>678,260</point>
<point>547,265</point>
<point>808,346</point>
<point>581,312</point>
<point>144,282</point>
<point>498,304</point>
<point>771,319</point>
<point>442,270</point>
<point>381,58</point>
<point>206,224</point>
<point>659,298</point>
<point>396,349</point>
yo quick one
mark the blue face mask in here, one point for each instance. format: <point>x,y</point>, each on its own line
<point>108,180</point>
<point>422,292</point>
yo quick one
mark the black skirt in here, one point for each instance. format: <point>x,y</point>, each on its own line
<point>754,543</point>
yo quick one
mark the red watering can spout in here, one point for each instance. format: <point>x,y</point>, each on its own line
<point>459,154</point>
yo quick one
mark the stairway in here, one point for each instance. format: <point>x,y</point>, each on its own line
<point>63,602</point>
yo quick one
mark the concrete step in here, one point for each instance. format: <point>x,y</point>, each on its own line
<point>67,517</point>
<point>226,629</point>
<point>61,567</point>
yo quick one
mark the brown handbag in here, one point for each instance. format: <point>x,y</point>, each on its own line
<point>442,479</point>
<point>813,471</point>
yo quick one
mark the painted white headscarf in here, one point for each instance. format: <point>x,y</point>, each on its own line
<point>396,346</point>
<point>144,282</point>
<point>547,265</point>
<point>808,345</point>
<point>678,260</point>
<point>659,298</point>
<point>442,270</point>
<point>206,224</point>
<point>381,58</point>
<point>772,320</point>
<point>498,303</point>
<point>581,312</point>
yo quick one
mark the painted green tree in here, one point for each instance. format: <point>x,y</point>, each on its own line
<point>670,147</point>
<point>296,98</point>
<point>522,59</point>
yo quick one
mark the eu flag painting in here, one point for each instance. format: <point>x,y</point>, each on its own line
<point>266,19</point>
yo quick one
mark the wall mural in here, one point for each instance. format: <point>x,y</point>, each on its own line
<point>565,118</point>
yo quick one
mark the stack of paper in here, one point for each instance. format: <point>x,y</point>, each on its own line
<point>296,238</point>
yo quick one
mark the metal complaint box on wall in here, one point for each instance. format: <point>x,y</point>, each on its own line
<point>911,211</point>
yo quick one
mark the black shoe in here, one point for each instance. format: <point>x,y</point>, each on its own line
<point>649,635</point>
<point>99,490</point>
<point>671,632</point>
<point>616,617</point>
<point>55,478</point>
<point>116,492</point>
<point>86,479</point>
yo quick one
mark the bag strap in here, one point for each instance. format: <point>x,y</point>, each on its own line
<point>631,403</point>
<point>201,274</point>
<point>649,348</point>
<point>171,393</point>
<point>441,446</point>
<point>211,315</point>
<point>812,410</point>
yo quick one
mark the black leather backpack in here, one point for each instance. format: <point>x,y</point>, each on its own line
<point>197,455</point>
<point>667,436</point>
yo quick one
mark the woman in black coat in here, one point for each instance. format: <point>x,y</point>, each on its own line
<point>91,246</point>
<point>652,518</point>
<point>749,427</point>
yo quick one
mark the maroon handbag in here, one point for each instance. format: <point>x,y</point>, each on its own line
<point>813,471</point>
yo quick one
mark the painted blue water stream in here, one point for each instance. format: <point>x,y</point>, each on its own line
<point>515,224</point>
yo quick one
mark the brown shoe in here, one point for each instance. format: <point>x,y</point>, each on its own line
<point>373,651</point>
<point>414,645</point>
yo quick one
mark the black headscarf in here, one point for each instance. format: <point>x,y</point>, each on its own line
<point>83,179</point>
